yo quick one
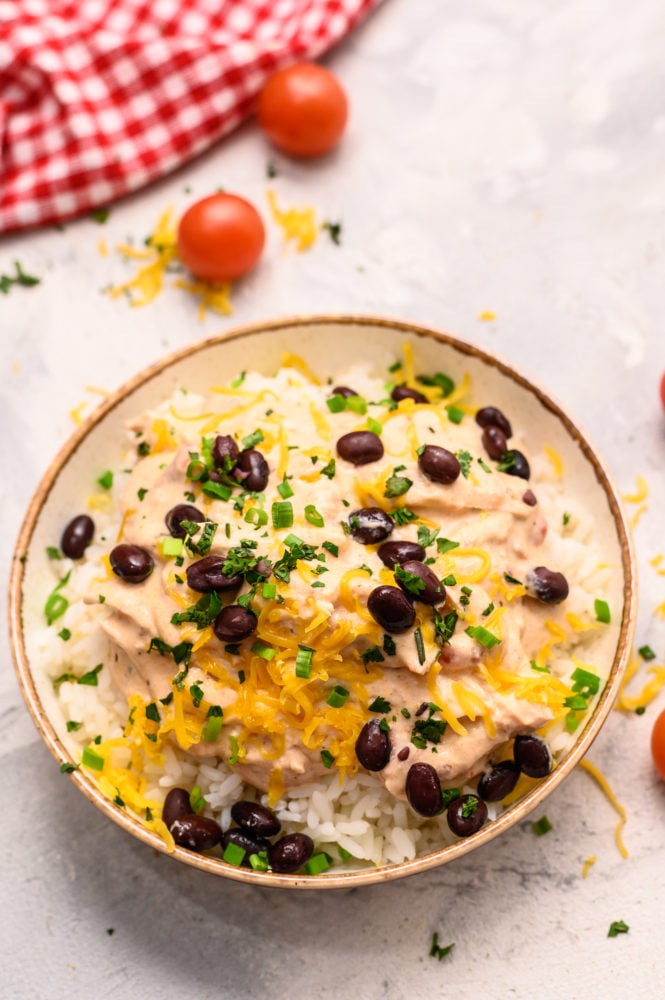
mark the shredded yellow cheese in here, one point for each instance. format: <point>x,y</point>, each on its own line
<point>637,516</point>
<point>212,295</point>
<point>640,494</point>
<point>630,703</point>
<point>590,861</point>
<point>604,785</point>
<point>486,316</point>
<point>298,224</point>
<point>555,460</point>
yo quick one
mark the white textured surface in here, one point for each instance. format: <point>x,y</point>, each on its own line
<point>502,156</point>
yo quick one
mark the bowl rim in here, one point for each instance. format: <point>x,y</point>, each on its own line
<point>352,879</point>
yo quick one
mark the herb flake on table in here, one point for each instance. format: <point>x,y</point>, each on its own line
<point>617,927</point>
<point>7,281</point>
<point>439,951</point>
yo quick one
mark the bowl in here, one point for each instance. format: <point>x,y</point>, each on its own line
<point>324,342</point>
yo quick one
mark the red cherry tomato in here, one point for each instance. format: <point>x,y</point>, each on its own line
<point>220,237</point>
<point>303,110</point>
<point>658,744</point>
<point>662,390</point>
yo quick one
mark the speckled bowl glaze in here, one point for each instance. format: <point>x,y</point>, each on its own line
<point>324,342</point>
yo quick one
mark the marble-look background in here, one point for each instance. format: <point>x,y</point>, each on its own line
<point>502,157</point>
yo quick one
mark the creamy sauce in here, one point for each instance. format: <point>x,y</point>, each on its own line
<point>276,724</point>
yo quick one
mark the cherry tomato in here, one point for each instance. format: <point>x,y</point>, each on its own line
<point>662,390</point>
<point>303,110</point>
<point>220,237</point>
<point>658,744</point>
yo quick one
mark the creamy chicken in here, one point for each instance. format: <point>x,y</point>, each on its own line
<point>295,693</point>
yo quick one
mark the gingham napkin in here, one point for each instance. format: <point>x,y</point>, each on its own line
<point>99,97</point>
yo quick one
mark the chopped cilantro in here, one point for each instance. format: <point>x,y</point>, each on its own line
<point>464,459</point>
<point>380,705</point>
<point>439,951</point>
<point>397,486</point>
<point>618,927</point>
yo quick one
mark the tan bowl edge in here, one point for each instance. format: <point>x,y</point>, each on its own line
<point>344,880</point>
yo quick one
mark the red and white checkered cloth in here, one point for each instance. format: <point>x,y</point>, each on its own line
<point>99,97</point>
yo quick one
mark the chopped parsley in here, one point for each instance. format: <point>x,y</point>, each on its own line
<point>90,677</point>
<point>444,628</point>
<point>464,459</point>
<point>429,730</point>
<point>181,653</point>
<point>427,537</point>
<point>202,614</point>
<point>372,655</point>
<point>411,582</point>
<point>334,230</point>
<point>389,647</point>
<point>20,278</point>
<point>396,485</point>
<point>439,951</point>
<point>380,705</point>
<point>618,927</point>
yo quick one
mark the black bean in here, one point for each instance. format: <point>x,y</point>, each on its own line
<point>360,447</point>
<point>515,464</point>
<point>423,789</point>
<point>529,498</point>
<point>290,853</point>
<point>131,563</point>
<point>205,575</point>
<point>234,623</point>
<point>241,838</point>
<point>77,536</point>
<point>427,589</point>
<point>403,392</point>
<point>438,464</point>
<point>495,784</point>
<point>400,551</point>
<point>182,512</point>
<point>198,833</point>
<point>255,818</point>
<point>176,805</point>
<point>373,745</point>
<point>252,470</point>
<point>391,608</point>
<point>532,755</point>
<point>370,525</point>
<point>547,585</point>
<point>343,390</point>
<point>495,442</point>
<point>224,452</point>
<point>489,416</point>
<point>466,815</point>
<point>404,753</point>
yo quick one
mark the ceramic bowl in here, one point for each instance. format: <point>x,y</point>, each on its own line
<point>325,343</point>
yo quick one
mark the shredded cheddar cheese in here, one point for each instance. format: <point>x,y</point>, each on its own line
<point>298,225</point>
<point>604,785</point>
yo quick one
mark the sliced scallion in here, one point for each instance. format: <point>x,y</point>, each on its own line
<point>337,696</point>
